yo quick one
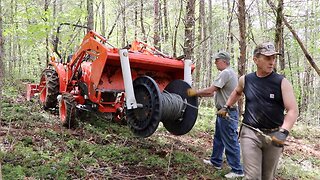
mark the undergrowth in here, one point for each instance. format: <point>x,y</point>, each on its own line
<point>34,145</point>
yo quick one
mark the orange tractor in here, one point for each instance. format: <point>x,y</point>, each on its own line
<point>137,83</point>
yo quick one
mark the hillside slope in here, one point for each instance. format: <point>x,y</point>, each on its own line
<point>35,146</point>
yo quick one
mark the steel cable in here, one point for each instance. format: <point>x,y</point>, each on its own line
<point>172,105</point>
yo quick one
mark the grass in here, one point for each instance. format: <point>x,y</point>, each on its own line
<point>34,145</point>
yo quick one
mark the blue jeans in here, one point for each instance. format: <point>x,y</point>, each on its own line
<point>226,139</point>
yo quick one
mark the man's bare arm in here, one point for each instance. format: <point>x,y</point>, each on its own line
<point>290,104</point>
<point>207,92</point>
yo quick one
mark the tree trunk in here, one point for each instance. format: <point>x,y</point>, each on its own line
<point>143,31</point>
<point>189,29</point>
<point>242,44</point>
<point>305,94</point>
<point>124,26</point>
<point>136,20</point>
<point>299,88</point>
<point>176,27</point>
<point>10,41</point>
<point>279,43</point>
<point>103,20</point>
<point>230,36</point>
<point>46,7</point>
<point>54,7</point>
<point>1,59</point>
<point>199,55</point>
<point>156,17</point>
<point>290,67</point>
<point>210,45</point>
<point>165,17</point>
<point>90,20</point>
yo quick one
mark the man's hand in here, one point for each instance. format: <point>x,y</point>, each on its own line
<point>279,137</point>
<point>191,92</point>
<point>223,112</point>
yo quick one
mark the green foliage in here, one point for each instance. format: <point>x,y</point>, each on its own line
<point>155,161</point>
<point>183,158</point>
<point>206,119</point>
<point>13,172</point>
<point>292,169</point>
<point>308,133</point>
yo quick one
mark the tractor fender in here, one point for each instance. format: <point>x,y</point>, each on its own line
<point>61,71</point>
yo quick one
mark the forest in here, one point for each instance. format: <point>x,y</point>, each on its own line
<point>34,145</point>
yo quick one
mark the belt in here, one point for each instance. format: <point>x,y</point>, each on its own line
<point>271,130</point>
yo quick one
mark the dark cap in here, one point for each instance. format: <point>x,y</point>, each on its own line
<point>222,55</point>
<point>266,49</point>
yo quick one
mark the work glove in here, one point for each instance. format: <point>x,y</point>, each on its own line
<point>279,137</point>
<point>223,112</point>
<point>191,92</point>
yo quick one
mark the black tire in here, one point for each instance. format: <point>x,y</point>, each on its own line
<point>67,110</point>
<point>49,88</point>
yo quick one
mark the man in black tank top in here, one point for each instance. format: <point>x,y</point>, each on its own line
<point>267,95</point>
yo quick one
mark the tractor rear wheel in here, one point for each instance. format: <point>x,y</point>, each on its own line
<point>49,88</point>
<point>67,110</point>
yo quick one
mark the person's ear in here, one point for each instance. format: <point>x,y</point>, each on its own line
<point>255,59</point>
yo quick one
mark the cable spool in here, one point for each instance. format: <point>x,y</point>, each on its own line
<point>169,107</point>
<point>172,106</point>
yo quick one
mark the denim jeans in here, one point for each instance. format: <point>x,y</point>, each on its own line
<point>226,139</point>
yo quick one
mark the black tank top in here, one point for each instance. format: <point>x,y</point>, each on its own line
<point>264,103</point>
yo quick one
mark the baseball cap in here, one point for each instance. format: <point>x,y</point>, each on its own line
<point>222,55</point>
<point>266,49</point>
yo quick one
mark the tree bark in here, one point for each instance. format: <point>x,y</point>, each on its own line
<point>210,45</point>
<point>136,20</point>
<point>279,43</point>
<point>176,27</point>
<point>46,7</point>
<point>1,58</point>
<point>103,20</point>
<point>230,36</point>
<point>242,44</point>
<point>306,85</point>
<point>143,31</point>
<point>90,20</point>
<point>124,26</point>
<point>199,55</point>
<point>156,19</point>
<point>165,17</point>
<point>189,29</point>
<point>242,39</point>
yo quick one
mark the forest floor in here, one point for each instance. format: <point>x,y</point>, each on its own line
<point>35,146</point>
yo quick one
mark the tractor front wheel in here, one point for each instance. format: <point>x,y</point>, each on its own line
<point>49,88</point>
<point>67,110</point>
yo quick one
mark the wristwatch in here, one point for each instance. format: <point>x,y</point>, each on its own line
<point>284,131</point>
<point>226,106</point>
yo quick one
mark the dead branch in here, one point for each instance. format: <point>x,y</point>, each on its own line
<point>168,168</point>
<point>295,35</point>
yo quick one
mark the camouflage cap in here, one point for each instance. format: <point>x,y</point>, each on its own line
<point>266,49</point>
<point>222,55</point>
